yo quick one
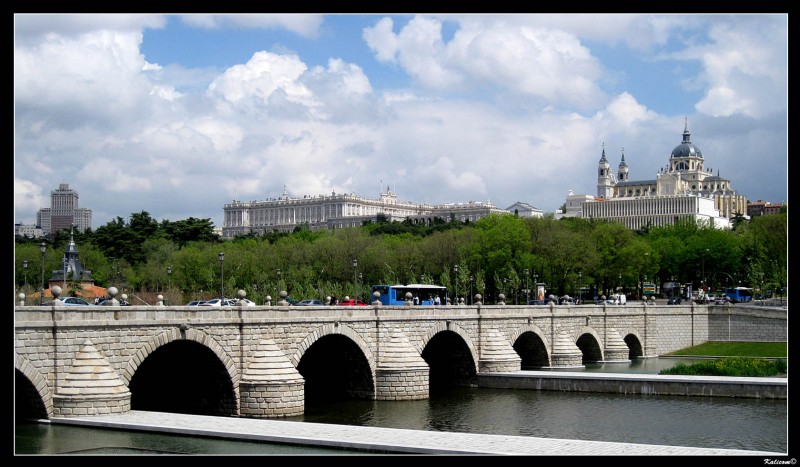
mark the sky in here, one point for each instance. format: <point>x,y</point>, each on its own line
<point>177,115</point>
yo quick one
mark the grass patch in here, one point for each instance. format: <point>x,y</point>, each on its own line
<point>734,349</point>
<point>730,366</point>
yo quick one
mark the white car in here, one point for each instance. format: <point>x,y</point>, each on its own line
<point>76,301</point>
<point>215,302</point>
<point>225,302</point>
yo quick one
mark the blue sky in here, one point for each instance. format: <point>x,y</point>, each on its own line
<point>177,115</point>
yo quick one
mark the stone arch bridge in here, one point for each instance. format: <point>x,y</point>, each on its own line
<point>267,362</point>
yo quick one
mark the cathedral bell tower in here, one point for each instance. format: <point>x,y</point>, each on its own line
<point>622,174</point>
<point>605,180</point>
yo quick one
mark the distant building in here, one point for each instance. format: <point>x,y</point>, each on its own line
<point>285,213</point>
<point>64,212</point>
<point>684,189</point>
<point>71,273</point>
<point>524,210</point>
<point>763,208</point>
<point>30,231</point>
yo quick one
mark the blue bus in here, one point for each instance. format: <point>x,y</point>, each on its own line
<point>425,294</point>
<point>739,294</point>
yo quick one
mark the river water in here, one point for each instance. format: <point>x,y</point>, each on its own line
<point>710,422</point>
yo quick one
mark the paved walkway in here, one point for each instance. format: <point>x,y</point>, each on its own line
<point>383,440</point>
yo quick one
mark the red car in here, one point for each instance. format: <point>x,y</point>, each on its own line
<point>352,302</point>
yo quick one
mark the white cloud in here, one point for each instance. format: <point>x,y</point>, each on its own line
<point>536,61</point>
<point>302,24</point>
<point>744,68</point>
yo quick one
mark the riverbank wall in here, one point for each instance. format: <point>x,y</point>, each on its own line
<point>670,385</point>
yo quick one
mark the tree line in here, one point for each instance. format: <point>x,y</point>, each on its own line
<point>499,254</point>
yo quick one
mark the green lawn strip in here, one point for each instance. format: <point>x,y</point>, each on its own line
<point>734,349</point>
<point>733,359</point>
<point>730,366</point>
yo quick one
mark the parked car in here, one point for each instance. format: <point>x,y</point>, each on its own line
<point>194,303</point>
<point>353,302</point>
<point>218,302</point>
<point>75,301</point>
<point>674,300</point>
<point>309,302</point>
<point>566,300</point>
<point>107,301</point>
<point>247,301</point>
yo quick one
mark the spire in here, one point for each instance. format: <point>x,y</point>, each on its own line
<point>686,138</point>
<point>623,164</point>
<point>603,159</point>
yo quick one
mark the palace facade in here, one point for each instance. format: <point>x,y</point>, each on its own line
<point>339,210</point>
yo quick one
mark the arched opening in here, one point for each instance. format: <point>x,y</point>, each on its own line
<point>183,377</point>
<point>335,368</point>
<point>450,362</point>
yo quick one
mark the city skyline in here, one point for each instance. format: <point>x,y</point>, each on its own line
<point>179,115</point>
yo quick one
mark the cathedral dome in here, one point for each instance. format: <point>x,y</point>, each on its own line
<point>686,148</point>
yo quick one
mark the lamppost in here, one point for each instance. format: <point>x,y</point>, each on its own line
<point>221,276</point>
<point>580,288</point>
<point>169,280</point>
<point>355,272</point>
<point>619,276</point>
<point>471,297</point>
<point>42,249</point>
<point>360,280</point>
<point>455,283</point>
<point>527,290</point>
<point>278,283</point>
<point>536,284</point>
<point>25,268</point>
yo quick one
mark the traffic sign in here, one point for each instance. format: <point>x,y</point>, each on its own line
<point>649,288</point>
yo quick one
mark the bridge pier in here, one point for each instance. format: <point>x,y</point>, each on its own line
<point>565,353</point>
<point>401,373</point>
<point>271,386</point>
<point>497,355</point>
<point>90,387</point>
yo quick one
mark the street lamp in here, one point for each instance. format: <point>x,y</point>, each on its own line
<point>527,290</point>
<point>580,288</point>
<point>25,268</point>
<point>221,276</point>
<point>42,249</point>
<point>360,280</point>
<point>471,297</point>
<point>455,285</point>
<point>619,276</point>
<point>355,271</point>
<point>536,284</point>
<point>278,282</point>
<point>169,280</point>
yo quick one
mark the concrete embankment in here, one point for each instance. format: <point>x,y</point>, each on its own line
<point>668,385</point>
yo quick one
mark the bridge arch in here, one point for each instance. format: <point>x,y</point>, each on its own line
<point>531,344</point>
<point>175,334</point>
<point>634,341</point>
<point>444,326</point>
<point>336,363</point>
<point>588,341</point>
<point>330,329</point>
<point>37,381</point>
